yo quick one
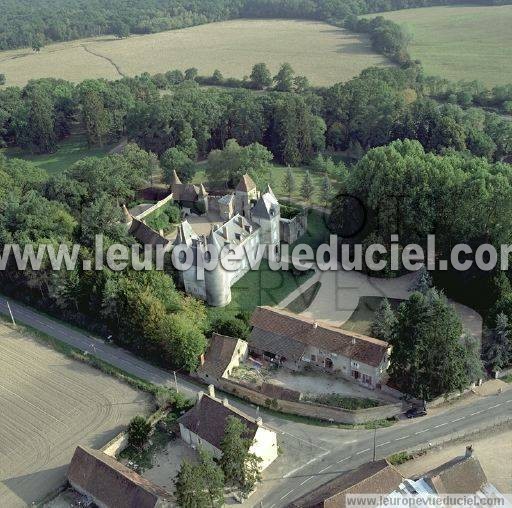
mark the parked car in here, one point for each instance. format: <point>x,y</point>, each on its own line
<point>415,412</point>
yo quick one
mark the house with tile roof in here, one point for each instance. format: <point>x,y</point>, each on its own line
<point>110,484</point>
<point>462,475</point>
<point>205,423</point>
<point>378,477</point>
<point>295,341</point>
<point>222,356</point>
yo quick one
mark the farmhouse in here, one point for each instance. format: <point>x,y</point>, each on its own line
<point>223,354</point>
<point>110,484</point>
<point>295,341</point>
<point>205,423</point>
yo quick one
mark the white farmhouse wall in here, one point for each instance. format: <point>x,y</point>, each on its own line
<point>265,447</point>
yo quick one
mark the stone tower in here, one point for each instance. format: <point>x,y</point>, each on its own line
<point>246,195</point>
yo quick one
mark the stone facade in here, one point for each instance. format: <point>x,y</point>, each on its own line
<point>251,220</point>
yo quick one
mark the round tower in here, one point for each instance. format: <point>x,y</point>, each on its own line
<point>218,290</point>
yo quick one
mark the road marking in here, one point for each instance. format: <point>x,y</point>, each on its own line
<point>325,469</point>
<point>287,494</point>
<point>363,451</point>
<point>495,405</point>
<point>458,419</point>
<point>307,480</point>
<point>403,437</point>
<point>476,413</point>
<point>507,401</point>
<point>306,464</point>
<point>343,460</point>
<point>440,425</point>
<point>383,444</point>
<point>421,431</point>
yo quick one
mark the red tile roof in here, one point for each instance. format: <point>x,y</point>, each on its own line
<point>209,417</point>
<point>112,484</point>
<point>218,356</point>
<point>312,333</point>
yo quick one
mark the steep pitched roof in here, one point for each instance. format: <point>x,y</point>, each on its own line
<point>145,235</point>
<point>266,206</point>
<point>185,192</point>
<point>208,419</point>
<point>460,475</point>
<point>308,332</point>
<point>377,477</point>
<point>175,178</point>
<point>218,356</point>
<point>246,184</point>
<point>111,483</point>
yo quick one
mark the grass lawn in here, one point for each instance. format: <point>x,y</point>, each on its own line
<point>361,319</point>
<point>461,42</point>
<point>303,301</point>
<point>322,52</point>
<point>317,231</point>
<point>264,287</point>
<point>69,151</point>
<point>337,400</point>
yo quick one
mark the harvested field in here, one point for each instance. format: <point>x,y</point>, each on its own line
<point>461,42</point>
<point>50,404</point>
<point>323,53</point>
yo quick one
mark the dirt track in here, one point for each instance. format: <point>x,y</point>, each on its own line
<point>48,405</point>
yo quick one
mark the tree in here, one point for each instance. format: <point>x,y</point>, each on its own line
<point>39,133</point>
<point>2,79</point>
<point>384,322</point>
<point>260,76</point>
<point>288,184</point>
<point>175,160</point>
<point>498,351</point>
<point>428,358</point>
<point>326,190</point>
<point>284,79</point>
<point>37,42</point>
<point>138,431</point>
<point>191,74</point>
<point>239,465</point>
<point>300,84</point>
<point>307,187</point>
<point>217,76</point>
<point>200,485</point>
<point>423,281</point>
<point>121,30</point>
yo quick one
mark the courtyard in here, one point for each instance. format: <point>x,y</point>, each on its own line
<point>307,382</point>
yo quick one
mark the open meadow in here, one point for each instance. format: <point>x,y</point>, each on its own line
<point>461,42</point>
<point>50,404</point>
<point>323,53</point>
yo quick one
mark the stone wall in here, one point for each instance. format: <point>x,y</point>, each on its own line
<point>312,410</point>
<point>155,207</point>
<point>292,229</point>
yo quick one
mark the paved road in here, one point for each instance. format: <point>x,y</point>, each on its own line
<point>312,455</point>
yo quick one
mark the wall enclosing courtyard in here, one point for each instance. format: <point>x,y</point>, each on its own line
<point>312,410</point>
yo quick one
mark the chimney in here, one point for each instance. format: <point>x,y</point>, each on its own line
<point>353,341</point>
<point>259,421</point>
<point>199,395</point>
<point>211,391</point>
<point>225,402</point>
<point>469,451</point>
<point>201,359</point>
<point>315,325</point>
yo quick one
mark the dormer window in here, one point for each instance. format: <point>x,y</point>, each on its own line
<point>238,236</point>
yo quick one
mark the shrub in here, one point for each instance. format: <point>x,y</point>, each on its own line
<point>138,431</point>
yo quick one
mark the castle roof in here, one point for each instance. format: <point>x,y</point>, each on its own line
<point>266,207</point>
<point>246,184</point>
<point>185,234</point>
<point>280,327</point>
<point>175,178</point>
